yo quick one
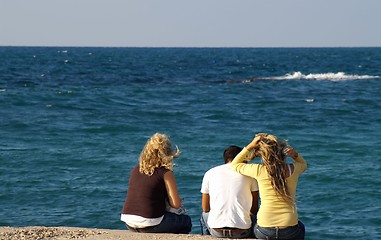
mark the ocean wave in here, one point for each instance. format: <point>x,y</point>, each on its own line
<point>339,76</point>
<point>323,76</point>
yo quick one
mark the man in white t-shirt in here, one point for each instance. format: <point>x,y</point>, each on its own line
<point>229,200</point>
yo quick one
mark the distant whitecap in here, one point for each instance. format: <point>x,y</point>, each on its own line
<point>323,76</point>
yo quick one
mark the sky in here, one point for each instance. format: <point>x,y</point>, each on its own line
<point>193,23</point>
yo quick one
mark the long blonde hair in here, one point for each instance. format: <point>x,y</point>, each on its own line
<point>270,150</point>
<point>157,152</point>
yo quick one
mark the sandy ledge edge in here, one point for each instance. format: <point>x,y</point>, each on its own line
<point>64,233</point>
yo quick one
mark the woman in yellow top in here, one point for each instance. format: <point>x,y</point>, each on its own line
<point>277,180</point>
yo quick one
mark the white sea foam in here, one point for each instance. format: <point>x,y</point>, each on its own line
<point>323,76</point>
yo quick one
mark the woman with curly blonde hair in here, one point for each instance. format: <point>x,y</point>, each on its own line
<point>277,181</point>
<point>153,203</point>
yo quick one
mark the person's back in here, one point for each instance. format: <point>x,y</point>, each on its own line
<point>274,211</point>
<point>150,202</point>
<point>227,200</point>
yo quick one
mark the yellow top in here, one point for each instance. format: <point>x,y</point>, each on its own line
<point>274,211</point>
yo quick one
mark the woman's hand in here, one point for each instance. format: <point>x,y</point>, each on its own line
<point>290,151</point>
<point>254,143</point>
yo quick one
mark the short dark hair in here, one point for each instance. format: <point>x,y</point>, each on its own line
<point>231,152</point>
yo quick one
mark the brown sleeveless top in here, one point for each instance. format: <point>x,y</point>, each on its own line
<point>146,195</point>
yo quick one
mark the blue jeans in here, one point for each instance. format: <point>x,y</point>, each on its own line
<point>206,230</point>
<point>171,223</point>
<point>296,232</point>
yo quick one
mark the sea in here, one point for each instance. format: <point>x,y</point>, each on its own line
<point>73,121</point>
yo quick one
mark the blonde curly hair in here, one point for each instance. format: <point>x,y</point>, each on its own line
<point>157,152</point>
<point>270,150</point>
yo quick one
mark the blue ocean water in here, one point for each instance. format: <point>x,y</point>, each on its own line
<point>74,120</point>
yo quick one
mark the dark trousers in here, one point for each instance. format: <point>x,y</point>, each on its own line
<point>296,232</point>
<point>171,223</point>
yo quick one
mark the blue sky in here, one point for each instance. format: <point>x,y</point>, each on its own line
<point>196,23</point>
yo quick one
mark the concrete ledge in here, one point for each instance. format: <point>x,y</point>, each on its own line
<point>64,233</point>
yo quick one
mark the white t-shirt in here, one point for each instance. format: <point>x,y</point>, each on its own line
<point>230,197</point>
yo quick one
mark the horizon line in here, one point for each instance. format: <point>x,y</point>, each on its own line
<point>100,46</point>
